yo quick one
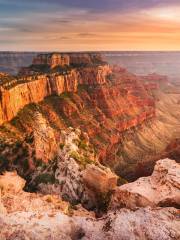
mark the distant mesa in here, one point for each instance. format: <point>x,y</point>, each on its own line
<point>52,60</point>
<point>61,62</point>
<point>3,74</point>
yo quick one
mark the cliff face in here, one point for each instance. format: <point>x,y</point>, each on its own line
<point>128,124</point>
<point>68,133</point>
<point>111,99</point>
<point>33,91</point>
<point>102,101</point>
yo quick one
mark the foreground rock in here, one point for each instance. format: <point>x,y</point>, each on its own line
<point>160,189</point>
<point>14,199</point>
<point>121,225</point>
<point>10,181</point>
<point>35,216</point>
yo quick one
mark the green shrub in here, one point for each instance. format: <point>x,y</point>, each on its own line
<point>83,145</point>
<point>82,160</point>
<point>45,178</point>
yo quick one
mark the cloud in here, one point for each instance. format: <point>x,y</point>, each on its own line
<point>87,35</point>
<point>72,23</point>
<point>92,5</point>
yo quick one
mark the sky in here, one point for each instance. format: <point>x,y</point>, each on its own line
<point>86,25</point>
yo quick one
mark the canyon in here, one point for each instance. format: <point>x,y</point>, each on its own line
<point>78,131</point>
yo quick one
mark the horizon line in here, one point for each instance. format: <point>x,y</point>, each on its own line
<point>84,51</point>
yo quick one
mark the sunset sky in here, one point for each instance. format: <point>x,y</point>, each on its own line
<point>73,25</point>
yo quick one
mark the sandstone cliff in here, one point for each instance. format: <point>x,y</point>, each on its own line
<point>14,95</point>
<point>33,90</point>
<point>103,101</point>
<point>130,123</point>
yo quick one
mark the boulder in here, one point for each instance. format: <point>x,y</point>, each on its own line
<point>162,188</point>
<point>10,181</point>
<point>99,179</point>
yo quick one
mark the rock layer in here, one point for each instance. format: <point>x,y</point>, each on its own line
<point>33,91</point>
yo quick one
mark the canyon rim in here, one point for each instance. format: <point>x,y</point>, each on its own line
<point>89,120</point>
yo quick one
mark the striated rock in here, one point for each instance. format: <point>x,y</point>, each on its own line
<point>121,115</point>
<point>10,181</point>
<point>102,101</point>
<point>160,189</point>
<point>94,75</point>
<point>17,93</point>
<point>33,91</point>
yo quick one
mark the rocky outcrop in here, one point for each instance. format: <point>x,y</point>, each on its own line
<point>103,101</point>
<point>33,91</point>
<point>130,124</point>
<point>17,93</point>
<point>94,75</point>
<point>45,142</point>
<point>14,199</point>
<point>142,224</point>
<point>75,174</point>
<point>85,59</point>
<point>99,179</point>
<point>35,216</point>
<point>160,189</point>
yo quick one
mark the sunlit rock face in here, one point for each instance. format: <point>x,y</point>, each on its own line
<point>130,122</point>
<point>110,95</point>
<point>162,188</point>
<point>45,143</point>
<point>32,90</point>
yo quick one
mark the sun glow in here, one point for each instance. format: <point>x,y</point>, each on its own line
<point>168,13</point>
